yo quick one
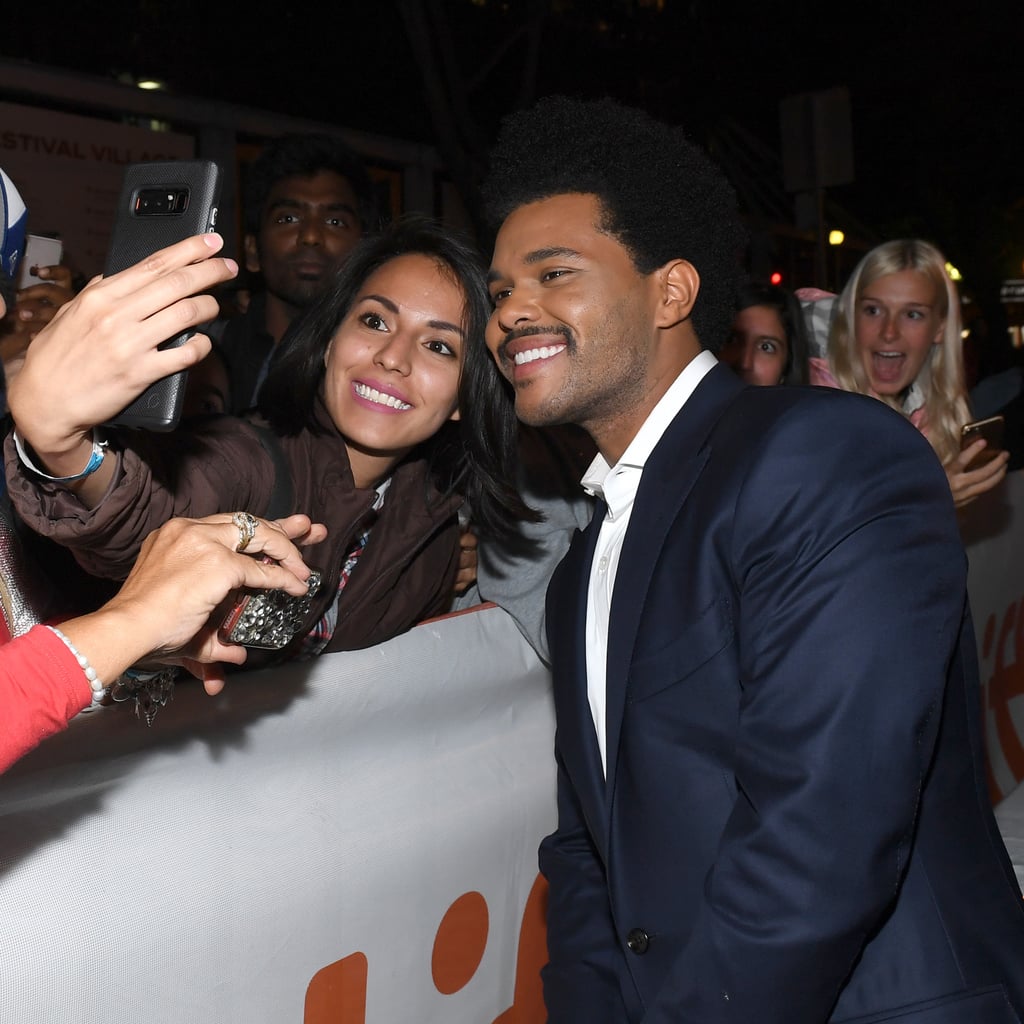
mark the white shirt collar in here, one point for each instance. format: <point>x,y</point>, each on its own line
<point>599,477</point>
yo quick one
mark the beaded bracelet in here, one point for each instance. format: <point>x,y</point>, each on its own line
<point>99,691</point>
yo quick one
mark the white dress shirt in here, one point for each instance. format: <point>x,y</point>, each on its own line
<point>618,485</point>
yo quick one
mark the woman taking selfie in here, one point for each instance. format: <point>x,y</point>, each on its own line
<point>897,337</point>
<point>366,431</point>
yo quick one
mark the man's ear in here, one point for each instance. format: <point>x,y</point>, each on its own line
<point>678,285</point>
<point>252,255</point>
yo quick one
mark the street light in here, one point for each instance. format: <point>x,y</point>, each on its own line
<point>836,239</point>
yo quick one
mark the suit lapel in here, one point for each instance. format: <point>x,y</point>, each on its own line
<point>668,477</point>
<point>566,624</point>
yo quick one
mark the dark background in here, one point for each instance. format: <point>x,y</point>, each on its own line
<point>936,91</point>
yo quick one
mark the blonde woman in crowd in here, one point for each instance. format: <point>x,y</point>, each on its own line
<point>896,336</point>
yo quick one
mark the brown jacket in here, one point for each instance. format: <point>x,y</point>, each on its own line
<point>405,574</point>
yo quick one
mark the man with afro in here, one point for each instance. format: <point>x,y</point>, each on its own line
<point>771,795</point>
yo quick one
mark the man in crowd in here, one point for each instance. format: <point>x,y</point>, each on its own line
<point>771,799</point>
<point>308,200</point>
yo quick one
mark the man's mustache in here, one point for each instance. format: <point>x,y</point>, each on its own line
<point>528,332</point>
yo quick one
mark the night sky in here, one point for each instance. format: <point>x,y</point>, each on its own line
<point>937,98</point>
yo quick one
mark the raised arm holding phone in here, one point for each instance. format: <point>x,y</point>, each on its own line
<point>99,353</point>
<point>186,569</point>
<point>368,421</point>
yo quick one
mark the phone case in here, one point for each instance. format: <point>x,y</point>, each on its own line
<point>268,619</point>
<point>141,229</point>
<point>992,430</point>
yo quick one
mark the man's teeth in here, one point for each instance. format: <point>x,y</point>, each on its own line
<point>521,358</point>
<point>379,398</point>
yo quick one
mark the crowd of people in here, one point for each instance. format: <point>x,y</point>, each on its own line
<point>894,333</point>
<point>770,782</point>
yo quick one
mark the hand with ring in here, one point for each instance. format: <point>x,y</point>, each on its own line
<point>246,523</point>
<point>169,608</point>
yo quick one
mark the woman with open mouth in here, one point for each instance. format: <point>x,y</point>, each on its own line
<point>896,335</point>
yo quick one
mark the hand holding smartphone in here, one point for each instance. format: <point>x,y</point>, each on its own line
<point>161,203</point>
<point>40,251</point>
<point>991,429</point>
<point>267,619</point>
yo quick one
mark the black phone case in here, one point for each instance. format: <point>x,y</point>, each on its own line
<point>134,238</point>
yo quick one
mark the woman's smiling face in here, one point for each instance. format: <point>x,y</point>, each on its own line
<point>897,322</point>
<point>393,365</point>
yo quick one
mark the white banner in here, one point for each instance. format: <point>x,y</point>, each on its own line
<point>348,841</point>
<point>351,840</point>
<point>994,531</point>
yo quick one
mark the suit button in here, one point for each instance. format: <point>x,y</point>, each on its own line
<point>638,941</point>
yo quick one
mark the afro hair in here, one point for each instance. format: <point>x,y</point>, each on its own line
<point>662,196</point>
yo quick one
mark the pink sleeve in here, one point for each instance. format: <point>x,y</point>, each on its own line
<point>820,373</point>
<point>42,688</point>
<point>919,417</point>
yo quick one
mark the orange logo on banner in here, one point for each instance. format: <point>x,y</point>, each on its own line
<point>337,992</point>
<point>459,943</point>
<point>1004,684</point>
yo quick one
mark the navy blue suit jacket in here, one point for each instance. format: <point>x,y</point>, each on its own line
<point>794,825</point>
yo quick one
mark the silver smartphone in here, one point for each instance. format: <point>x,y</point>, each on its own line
<point>268,619</point>
<point>40,251</point>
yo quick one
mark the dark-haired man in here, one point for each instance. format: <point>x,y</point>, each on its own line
<point>771,799</point>
<point>308,201</point>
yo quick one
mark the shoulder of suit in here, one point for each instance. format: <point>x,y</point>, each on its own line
<point>825,421</point>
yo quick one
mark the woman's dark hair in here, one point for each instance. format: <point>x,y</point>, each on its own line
<point>474,455</point>
<point>786,304</point>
